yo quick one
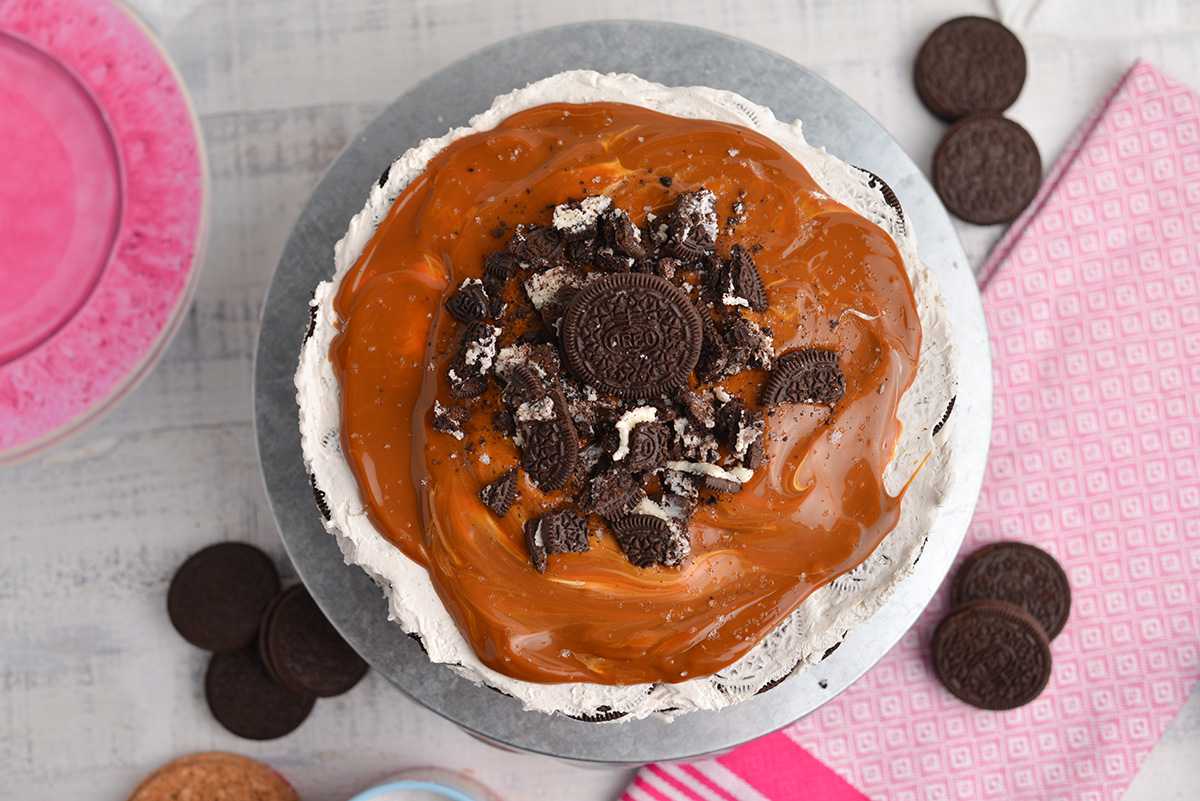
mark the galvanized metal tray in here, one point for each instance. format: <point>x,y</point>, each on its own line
<point>676,56</point>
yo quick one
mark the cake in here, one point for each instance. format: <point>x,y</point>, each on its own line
<point>631,401</point>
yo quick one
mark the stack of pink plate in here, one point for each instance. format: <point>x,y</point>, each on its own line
<point>103,214</point>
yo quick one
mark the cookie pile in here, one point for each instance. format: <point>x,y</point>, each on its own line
<point>987,168</point>
<point>274,653</point>
<point>607,342</point>
<point>1009,600</point>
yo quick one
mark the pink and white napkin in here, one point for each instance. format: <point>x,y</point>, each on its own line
<point>1093,305</point>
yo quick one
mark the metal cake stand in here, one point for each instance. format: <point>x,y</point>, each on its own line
<point>676,56</point>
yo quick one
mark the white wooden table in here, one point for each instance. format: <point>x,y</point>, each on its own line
<point>97,689</point>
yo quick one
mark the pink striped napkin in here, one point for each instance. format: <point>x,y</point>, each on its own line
<point>1093,307</point>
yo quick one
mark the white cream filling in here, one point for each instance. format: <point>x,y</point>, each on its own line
<point>822,620</point>
<point>590,208</point>
<point>626,423</point>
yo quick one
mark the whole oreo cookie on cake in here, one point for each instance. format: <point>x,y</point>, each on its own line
<point>637,371</point>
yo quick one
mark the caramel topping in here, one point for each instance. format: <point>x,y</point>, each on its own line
<point>815,509</point>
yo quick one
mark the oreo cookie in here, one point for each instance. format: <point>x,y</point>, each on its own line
<point>550,447</point>
<point>217,597</point>
<point>805,376</point>
<point>649,444</point>
<point>633,335</point>
<point>1021,574</point>
<point>645,539</point>
<point>469,303</point>
<point>319,496</point>
<point>624,236</point>
<point>742,280</point>
<point>692,225</point>
<point>992,654</point>
<point>724,486</point>
<point>524,386</point>
<point>987,169</point>
<point>247,701</point>
<point>889,197</point>
<point>612,493</point>
<point>450,420</point>
<point>500,494</point>
<point>945,415</point>
<point>306,653</point>
<point>713,364</point>
<point>537,247</point>
<point>603,714</point>
<point>969,65</point>
<point>560,531</point>
<point>468,374</point>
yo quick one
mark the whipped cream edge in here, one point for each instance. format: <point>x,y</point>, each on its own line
<point>830,612</point>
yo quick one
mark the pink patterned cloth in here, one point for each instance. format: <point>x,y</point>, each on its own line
<point>1094,313</point>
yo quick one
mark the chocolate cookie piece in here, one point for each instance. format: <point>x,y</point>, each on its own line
<point>603,714</point>
<point>633,335</point>
<point>213,775</point>
<point>742,280</point>
<point>306,652</point>
<point>524,386</point>
<point>714,361</point>
<point>468,374</point>
<point>498,270</point>
<point>967,66</point>
<point>692,224</point>
<point>945,415</point>
<point>560,531</point>
<point>624,236</point>
<point>500,494</point>
<point>987,169</point>
<point>698,407</point>
<point>217,597</point>
<point>550,447</point>
<point>645,539</point>
<point>536,247</point>
<point>612,493</point>
<point>1021,574</point>
<point>469,303</point>
<point>719,484</point>
<point>319,496</point>
<point>889,197</point>
<point>450,420</point>
<point>992,655</point>
<point>648,446</point>
<point>747,343</point>
<point>247,701</point>
<point>805,376</point>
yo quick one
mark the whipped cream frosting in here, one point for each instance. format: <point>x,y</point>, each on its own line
<point>923,460</point>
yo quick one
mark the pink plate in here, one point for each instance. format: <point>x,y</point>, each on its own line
<point>103,214</point>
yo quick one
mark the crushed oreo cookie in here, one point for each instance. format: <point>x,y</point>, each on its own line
<point>805,376</point>
<point>550,446</point>
<point>646,540</point>
<point>607,341</point>
<point>693,224</point>
<point>450,420</point>
<point>612,493</point>
<point>470,303</point>
<point>468,375</point>
<point>560,531</point>
<point>742,284</point>
<point>500,494</point>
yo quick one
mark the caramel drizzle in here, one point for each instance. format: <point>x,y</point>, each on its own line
<point>815,509</point>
